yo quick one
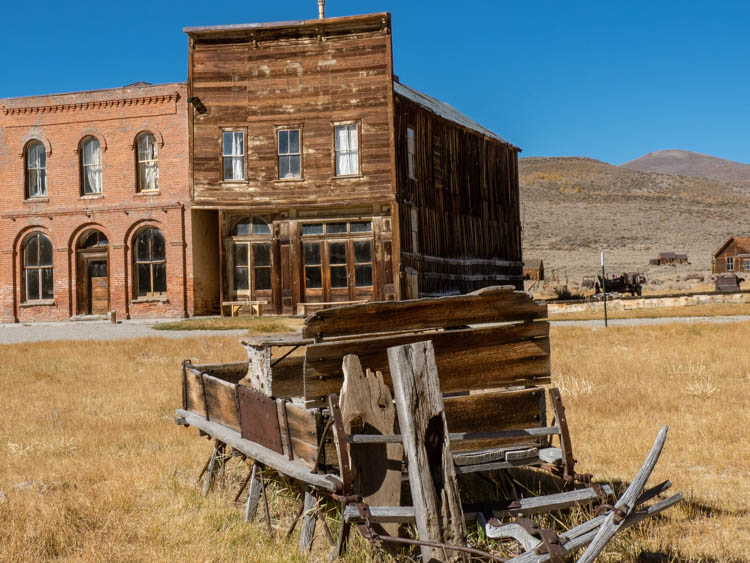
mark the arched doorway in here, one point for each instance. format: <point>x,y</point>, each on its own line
<point>92,258</point>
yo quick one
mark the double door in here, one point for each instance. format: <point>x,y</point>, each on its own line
<point>337,270</point>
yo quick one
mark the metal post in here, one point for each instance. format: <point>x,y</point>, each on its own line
<point>604,289</point>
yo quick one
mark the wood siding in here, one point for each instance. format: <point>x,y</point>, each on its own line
<point>465,200</point>
<point>738,249</point>
<point>268,79</point>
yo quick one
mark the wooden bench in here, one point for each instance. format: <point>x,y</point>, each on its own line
<point>255,307</point>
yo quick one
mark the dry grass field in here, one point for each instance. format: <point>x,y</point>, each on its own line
<point>92,467</point>
<point>707,310</point>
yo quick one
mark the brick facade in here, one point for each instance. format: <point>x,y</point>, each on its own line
<point>115,118</point>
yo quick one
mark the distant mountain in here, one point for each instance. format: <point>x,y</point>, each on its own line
<point>574,207</point>
<point>686,163</point>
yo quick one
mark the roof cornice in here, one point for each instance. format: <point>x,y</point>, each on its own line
<point>92,105</point>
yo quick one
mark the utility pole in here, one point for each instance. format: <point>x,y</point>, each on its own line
<point>604,289</point>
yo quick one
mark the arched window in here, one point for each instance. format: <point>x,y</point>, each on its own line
<point>150,264</point>
<point>36,170</point>
<point>37,268</point>
<point>91,166</point>
<point>246,226</point>
<point>147,162</point>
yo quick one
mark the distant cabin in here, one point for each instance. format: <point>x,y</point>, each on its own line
<point>732,256</point>
<point>668,258</point>
<point>533,269</point>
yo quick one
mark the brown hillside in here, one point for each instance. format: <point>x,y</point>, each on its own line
<point>574,207</point>
<point>689,163</point>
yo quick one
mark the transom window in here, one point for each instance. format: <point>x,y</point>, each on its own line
<point>410,153</point>
<point>290,157</point>
<point>310,229</point>
<point>91,166</point>
<point>150,264</point>
<point>248,226</point>
<point>347,150</point>
<point>36,170</point>
<point>148,163</point>
<point>233,155</point>
<point>94,239</point>
<point>37,268</point>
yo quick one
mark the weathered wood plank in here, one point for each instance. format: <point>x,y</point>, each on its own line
<point>193,393</point>
<point>501,305</point>
<point>221,401</point>
<point>479,358</point>
<point>253,495</point>
<point>432,475</point>
<point>293,469</point>
<point>367,407</point>
<point>309,519</point>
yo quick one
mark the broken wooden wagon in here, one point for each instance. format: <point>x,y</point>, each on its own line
<point>281,409</point>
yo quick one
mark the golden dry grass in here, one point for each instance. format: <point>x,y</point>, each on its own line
<point>706,310</point>
<point>93,468</point>
<point>255,325</point>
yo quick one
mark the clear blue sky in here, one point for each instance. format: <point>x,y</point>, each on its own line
<point>609,80</point>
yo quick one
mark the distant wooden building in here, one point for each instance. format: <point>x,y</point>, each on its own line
<point>318,177</point>
<point>665,258</point>
<point>732,256</point>
<point>533,269</point>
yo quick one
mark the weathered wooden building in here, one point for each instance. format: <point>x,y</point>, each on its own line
<point>732,256</point>
<point>667,258</point>
<point>533,269</point>
<point>318,177</point>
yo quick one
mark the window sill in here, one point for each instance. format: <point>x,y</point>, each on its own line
<point>289,180</point>
<point>38,303</point>
<point>40,199</point>
<point>149,300</point>
<point>91,196</point>
<point>147,193</point>
<point>237,183</point>
<point>348,176</point>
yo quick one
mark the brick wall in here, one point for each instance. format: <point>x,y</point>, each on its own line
<point>115,117</point>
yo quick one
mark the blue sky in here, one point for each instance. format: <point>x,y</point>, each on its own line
<point>608,80</point>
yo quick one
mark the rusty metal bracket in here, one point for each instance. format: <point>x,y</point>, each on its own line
<point>550,541</point>
<point>620,515</point>
<point>565,444</point>
<point>322,445</point>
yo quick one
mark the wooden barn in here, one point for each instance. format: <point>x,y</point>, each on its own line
<point>533,269</point>
<point>732,256</point>
<point>319,178</point>
<point>666,258</point>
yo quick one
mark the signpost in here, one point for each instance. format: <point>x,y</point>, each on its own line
<point>604,289</point>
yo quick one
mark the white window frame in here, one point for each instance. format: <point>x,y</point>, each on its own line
<point>746,264</point>
<point>233,155</point>
<point>40,167</point>
<point>289,154</point>
<point>730,264</point>
<point>95,166</point>
<point>346,152</point>
<point>150,139</point>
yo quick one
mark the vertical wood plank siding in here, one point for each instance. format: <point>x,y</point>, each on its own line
<point>467,200</point>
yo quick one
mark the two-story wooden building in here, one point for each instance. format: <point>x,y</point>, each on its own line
<point>318,177</point>
<point>732,257</point>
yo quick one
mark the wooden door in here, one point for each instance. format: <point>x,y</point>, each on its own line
<point>312,271</point>
<point>98,285</point>
<point>362,280</point>
<point>339,272</point>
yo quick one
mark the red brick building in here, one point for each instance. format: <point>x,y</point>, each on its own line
<point>95,205</point>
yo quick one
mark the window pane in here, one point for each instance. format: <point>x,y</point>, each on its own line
<point>45,251</point>
<point>32,251</point>
<point>262,278</point>
<point>240,278</point>
<point>261,255</point>
<point>242,227</point>
<point>227,138</point>
<point>141,247</point>
<point>313,279</point>
<point>362,251</point>
<point>157,245</point>
<point>294,166</point>
<point>363,275</point>
<point>283,142</point>
<point>338,276</point>
<point>47,284</point>
<point>32,284</point>
<point>361,227</point>
<point>238,148</point>
<point>314,229</point>
<point>160,278</point>
<point>144,279</point>
<point>294,142</point>
<point>284,167</point>
<point>335,228</point>
<point>337,252</point>
<point>312,253</point>
<point>240,255</point>
<point>260,227</point>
